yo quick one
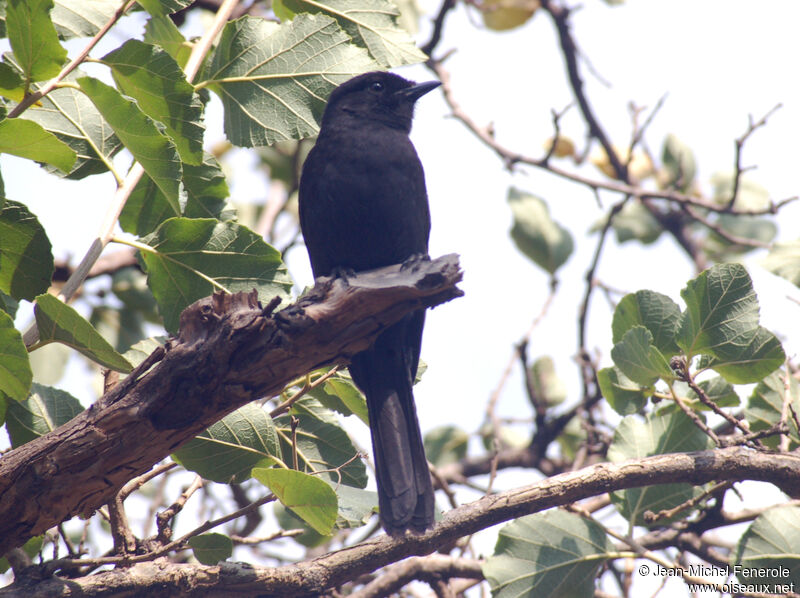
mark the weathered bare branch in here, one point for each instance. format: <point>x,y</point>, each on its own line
<point>315,576</point>
<point>230,351</point>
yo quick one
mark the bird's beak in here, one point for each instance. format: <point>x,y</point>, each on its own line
<point>415,92</point>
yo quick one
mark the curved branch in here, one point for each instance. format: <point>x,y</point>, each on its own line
<point>315,576</point>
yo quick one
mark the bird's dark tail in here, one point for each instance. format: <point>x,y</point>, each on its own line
<point>385,373</point>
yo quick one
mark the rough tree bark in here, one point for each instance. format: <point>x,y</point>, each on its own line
<point>229,351</point>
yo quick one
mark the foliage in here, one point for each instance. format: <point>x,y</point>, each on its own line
<point>674,383</point>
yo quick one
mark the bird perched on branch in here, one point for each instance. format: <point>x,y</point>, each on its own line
<point>363,205</point>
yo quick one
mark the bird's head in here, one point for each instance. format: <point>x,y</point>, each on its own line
<point>377,97</point>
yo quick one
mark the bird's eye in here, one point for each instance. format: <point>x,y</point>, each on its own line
<point>376,86</point>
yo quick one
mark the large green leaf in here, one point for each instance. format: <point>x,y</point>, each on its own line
<point>27,139</point>
<point>765,405</point>
<point>162,31</point>
<point>340,394</point>
<point>82,18</point>
<point>73,119</point>
<point>634,222</point>
<point>206,194</point>
<point>322,444</point>
<point>12,85</point>
<point>212,548</point>
<point>372,24</point>
<point>670,432</point>
<point>45,410</point>
<point>784,260</point>
<point>15,369</point>
<point>446,444</point>
<point>721,320</point>
<point>34,39</point>
<point>26,258</point>
<point>164,7</point>
<point>153,149</point>
<point>536,234</point>
<point>555,554</point>
<point>151,76</point>
<point>228,450</point>
<point>638,359</point>
<point>58,322</point>
<point>274,79</point>
<point>309,497</point>
<point>656,312</point>
<point>769,551</point>
<point>622,393</point>
<point>191,258</point>
<point>679,164</point>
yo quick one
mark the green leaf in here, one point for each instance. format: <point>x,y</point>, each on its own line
<point>151,76</point>
<point>372,24</point>
<point>206,192</point>
<point>73,119</point>
<point>141,350</point>
<point>164,7</point>
<point>211,548</point>
<point>12,86</point>
<point>45,410</point>
<point>765,405</point>
<point>749,196</point>
<point>274,79</point>
<point>536,234</point>
<point>634,222</point>
<point>679,164</point>
<point>546,383</point>
<point>191,258</point>
<point>622,393</point>
<point>27,139</point>
<point>770,546</point>
<point>34,39</point>
<point>446,444</point>
<point>7,303</point>
<point>757,228</point>
<point>356,506</point>
<point>15,369</point>
<point>26,259</point>
<point>784,260</point>
<point>660,434</point>
<point>310,538</point>
<point>58,322</point>
<point>753,360</point>
<point>555,554</point>
<point>82,18</point>
<point>322,445</point>
<point>639,360</point>
<point>162,31</point>
<point>340,394</point>
<point>309,497</point>
<point>721,320</point>
<point>154,150</point>
<point>228,450</point>
<point>656,312</point>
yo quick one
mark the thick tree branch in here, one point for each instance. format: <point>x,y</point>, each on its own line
<point>230,351</point>
<point>315,576</point>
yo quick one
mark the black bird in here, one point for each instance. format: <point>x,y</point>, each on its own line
<point>363,205</point>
